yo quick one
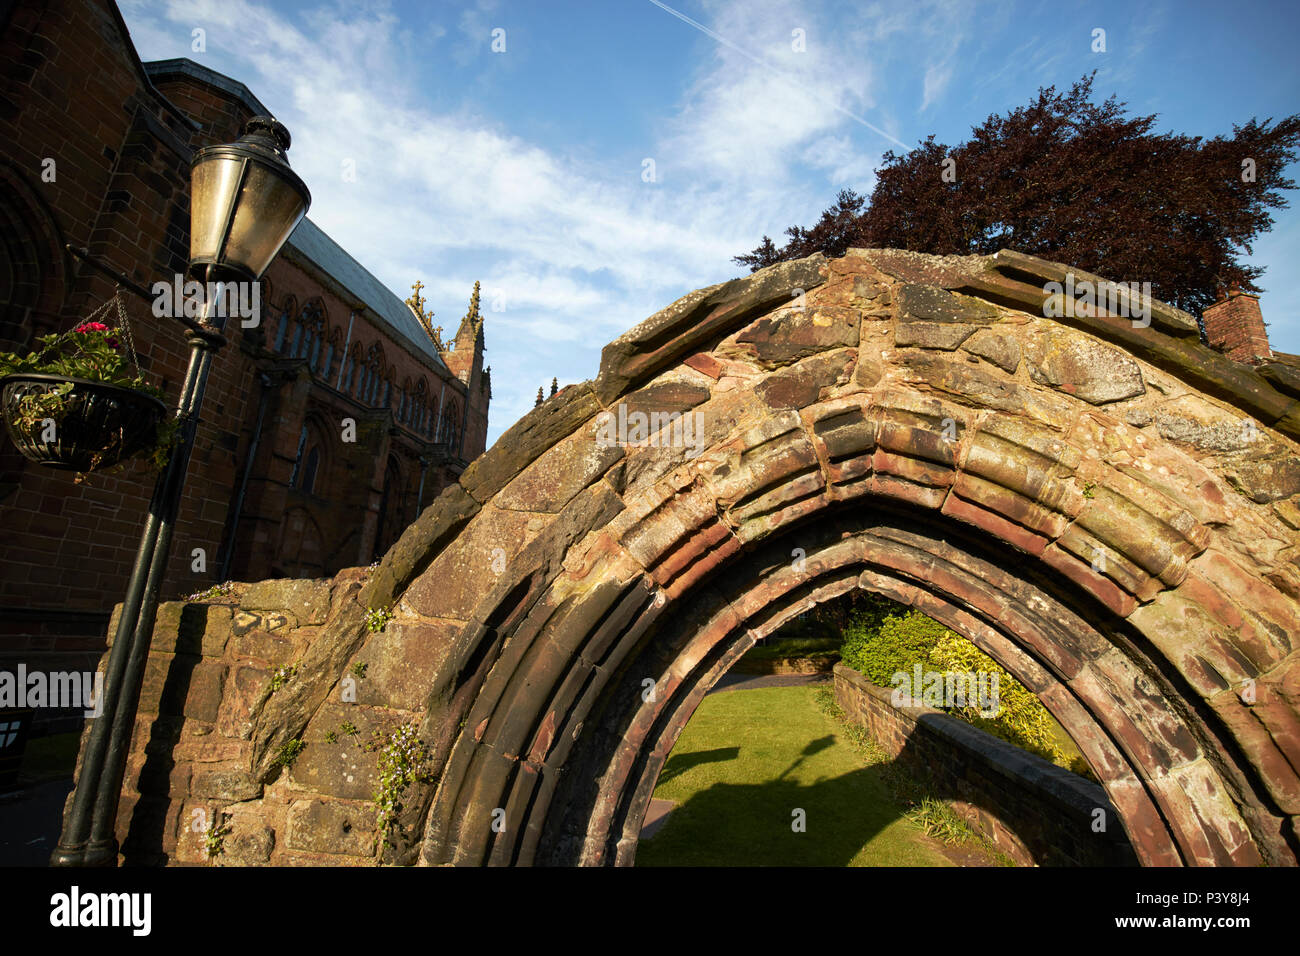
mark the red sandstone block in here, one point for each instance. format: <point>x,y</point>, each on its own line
<point>1099,585</point>
<point>706,363</point>
<point>995,524</point>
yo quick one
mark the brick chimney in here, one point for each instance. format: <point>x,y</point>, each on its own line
<point>1235,326</point>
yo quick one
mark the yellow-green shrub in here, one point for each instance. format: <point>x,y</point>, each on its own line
<point>886,641</point>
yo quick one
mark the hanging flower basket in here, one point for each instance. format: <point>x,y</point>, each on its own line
<point>76,424</point>
<point>73,403</point>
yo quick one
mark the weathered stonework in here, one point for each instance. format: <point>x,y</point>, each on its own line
<point>1073,495</point>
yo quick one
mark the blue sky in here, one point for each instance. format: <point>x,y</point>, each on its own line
<point>526,168</point>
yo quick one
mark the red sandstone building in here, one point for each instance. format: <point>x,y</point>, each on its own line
<point>96,152</point>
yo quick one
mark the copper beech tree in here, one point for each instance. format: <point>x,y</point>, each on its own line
<point>1071,181</point>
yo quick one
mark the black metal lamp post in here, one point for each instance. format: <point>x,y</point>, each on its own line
<point>244,203</point>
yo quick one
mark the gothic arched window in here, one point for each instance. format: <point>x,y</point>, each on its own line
<point>307,461</point>
<point>403,401</point>
<point>350,369</point>
<point>281,329</point>
<point>331,349</point>
<point>449,424</point>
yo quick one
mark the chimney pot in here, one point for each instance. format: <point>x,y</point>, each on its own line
<point>1235,326</point>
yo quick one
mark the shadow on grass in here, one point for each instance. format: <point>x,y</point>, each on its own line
<point>755,824</point>
<point>678,764</point>
<point>732,824</point>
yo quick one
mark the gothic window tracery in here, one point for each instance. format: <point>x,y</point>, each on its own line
<point>308,460</point>
<point>286,321</point>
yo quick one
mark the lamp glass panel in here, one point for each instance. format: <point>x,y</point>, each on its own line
<point>213,186</point>
<point>268,210</point>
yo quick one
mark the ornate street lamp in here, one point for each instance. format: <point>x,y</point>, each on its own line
<point>244,203</point>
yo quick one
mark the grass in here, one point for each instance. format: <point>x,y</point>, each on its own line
<point>747,759</point>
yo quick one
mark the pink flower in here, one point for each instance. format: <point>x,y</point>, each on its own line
<point>91,327</point>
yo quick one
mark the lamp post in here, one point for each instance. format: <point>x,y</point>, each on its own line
<point>244,203</point>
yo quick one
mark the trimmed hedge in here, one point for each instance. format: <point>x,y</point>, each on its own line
<point>886,638</point>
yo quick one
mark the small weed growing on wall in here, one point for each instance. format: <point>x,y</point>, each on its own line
<point>347,729</point>
<point>212,593</point>
<point>359,670</point>
<point>403,760</point>
<point>288,753</point>
<point>377,618</point>
<point>282,676</point>
<point>214,838</point>
<point>1089,490</point>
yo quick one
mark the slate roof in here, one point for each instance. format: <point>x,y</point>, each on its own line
<point>161,70</point>
<point>385,307</point>
<point>310,241</point>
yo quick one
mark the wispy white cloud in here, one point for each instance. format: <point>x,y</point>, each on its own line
<point>937,77</point>
<point>575,249</point>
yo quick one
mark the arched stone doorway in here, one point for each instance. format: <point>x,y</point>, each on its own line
<point>1106,507</point>
<point>1094,583</point>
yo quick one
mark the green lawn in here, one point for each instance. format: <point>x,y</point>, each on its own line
<point>746,760</point>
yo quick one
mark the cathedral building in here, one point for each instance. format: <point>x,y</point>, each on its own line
<point>325,428</point>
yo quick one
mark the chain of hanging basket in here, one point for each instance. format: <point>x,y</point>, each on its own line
<point>126,329</point>
<point>124,324</point>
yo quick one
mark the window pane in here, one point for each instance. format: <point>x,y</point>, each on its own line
<point>297,461</point>
<point>309,472</point>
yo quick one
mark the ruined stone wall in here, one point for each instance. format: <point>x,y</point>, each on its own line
<point>1035,812</point>
<point>1107,508</point>
<point>212,670</point>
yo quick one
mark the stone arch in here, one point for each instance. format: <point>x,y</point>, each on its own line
<point>1077,496</point>
<point>33,263</point>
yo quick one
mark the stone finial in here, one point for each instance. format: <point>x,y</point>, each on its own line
<point>473,316</point>
<point>539,397</point>
<point>555,385</point>
<point>469,335</point>
<point>417,303</point>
